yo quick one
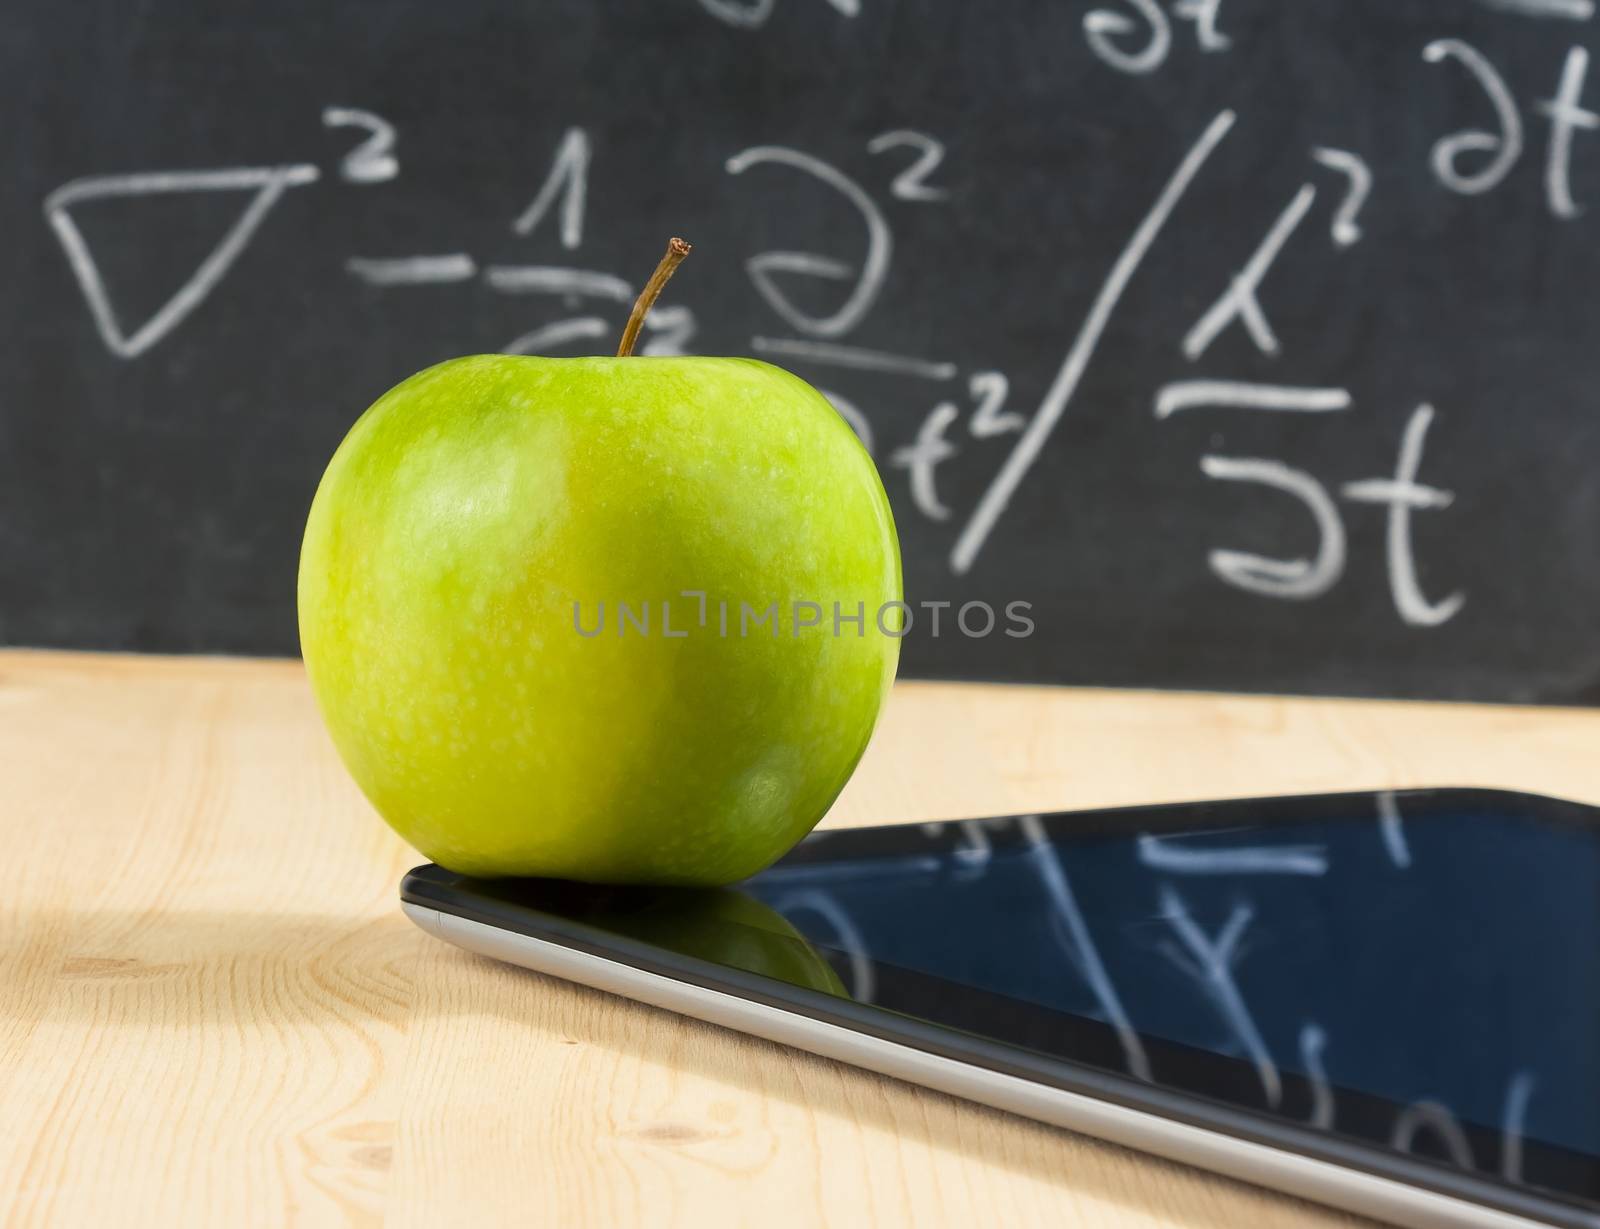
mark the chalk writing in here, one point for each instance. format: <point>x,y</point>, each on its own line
<point>1345,229</point>
<point>568,182</point>
<point>1043,422</point>
<point>266,186</point>
<point>372,161</point>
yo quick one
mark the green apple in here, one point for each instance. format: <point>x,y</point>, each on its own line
<point>460,580</point>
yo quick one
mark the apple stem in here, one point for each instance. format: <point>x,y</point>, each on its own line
<point>677,249</point>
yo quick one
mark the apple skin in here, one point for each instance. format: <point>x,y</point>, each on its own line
<point>474,504</point>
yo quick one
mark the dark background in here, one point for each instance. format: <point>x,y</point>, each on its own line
<point>156,502</point>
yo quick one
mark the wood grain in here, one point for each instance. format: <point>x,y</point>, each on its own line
<point>211,1011</point>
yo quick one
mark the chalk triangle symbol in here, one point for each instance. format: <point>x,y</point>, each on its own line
<point>265,184</point>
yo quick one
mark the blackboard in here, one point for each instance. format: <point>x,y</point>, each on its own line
<point>1253,344</point>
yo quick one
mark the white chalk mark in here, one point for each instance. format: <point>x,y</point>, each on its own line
<point>753,15</point>
<point>874,268</point>
<point>991,388</point>
<point>976,850</point>
<point>1506,147</point>
<point>372,161</point>
<point>1345,229</point>
<point>548,279</point>
<point>151,183</point>
<point>1080,947</point>
<point>1026,450</point>
<point>1566,114</point>
<point>851,413</point>
<point>1391,825</point>
<point>1438,1119</point>
<point>1099,25</point>
<point>834,355</point>
<point>1212,967</point>
<point>1239,301</point>
<point>550,336</point>
<point>912,183</point>
<point>569,180</point>
<point>1178,856</point>
<point>863,977</point>
<point>411,270</point>
<point>1312,1042</point>
<point>670,330</point>
<point>1403,494</point>
<point>1513,1120</point>
<point>1228,830</point>
<point>807,264</point>
<point>923,458</point>
<point>1240,395</point>
<point>739,14</point>
<point>269,183</point>
<point>1568,10</point>
<point>1204,15</point>
<point>1295,579</point>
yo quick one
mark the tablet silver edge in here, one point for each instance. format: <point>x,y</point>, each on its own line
<point>1306,1177</point>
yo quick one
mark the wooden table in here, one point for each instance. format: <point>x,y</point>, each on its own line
<point>213,1013</point>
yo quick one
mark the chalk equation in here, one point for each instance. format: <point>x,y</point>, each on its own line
<point>816,310</point>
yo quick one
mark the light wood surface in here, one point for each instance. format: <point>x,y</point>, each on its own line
<point>213,1013</point>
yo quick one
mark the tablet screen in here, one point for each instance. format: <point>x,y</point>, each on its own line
<point>1418,970</point>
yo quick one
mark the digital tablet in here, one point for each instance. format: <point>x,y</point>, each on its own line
<point>1387,1002</point>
